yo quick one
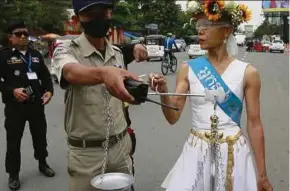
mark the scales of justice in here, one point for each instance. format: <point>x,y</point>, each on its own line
<point>139,90</point>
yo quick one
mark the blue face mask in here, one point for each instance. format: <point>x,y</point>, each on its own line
<point>97,28</point>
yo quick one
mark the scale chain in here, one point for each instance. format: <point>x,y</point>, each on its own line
<point>110,114</point>
<point>106,144</point>
<point>111,124</point>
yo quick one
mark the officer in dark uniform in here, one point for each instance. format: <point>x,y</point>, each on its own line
<point>26,87</point>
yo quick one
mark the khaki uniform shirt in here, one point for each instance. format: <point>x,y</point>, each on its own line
<point>85,106</point>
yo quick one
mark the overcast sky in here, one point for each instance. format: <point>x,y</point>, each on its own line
<point>254,6</point>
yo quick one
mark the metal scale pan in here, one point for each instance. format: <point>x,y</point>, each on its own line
<point>113,182</point>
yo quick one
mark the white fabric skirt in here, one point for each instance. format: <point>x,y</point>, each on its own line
<point>192,169</point>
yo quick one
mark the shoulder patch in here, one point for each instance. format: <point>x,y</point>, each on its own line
<point>60,50</point>
<point>63,48</point>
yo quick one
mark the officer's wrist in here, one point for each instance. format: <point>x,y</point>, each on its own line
<point>100,73</point>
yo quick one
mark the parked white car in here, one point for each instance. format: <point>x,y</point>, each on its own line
<point>195,51</point>
<point>155,46</point>
<point>277,45</point>
<point>266,43</point>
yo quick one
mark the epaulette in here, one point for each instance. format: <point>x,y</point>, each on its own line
<point>73,43</point>
<point>4,48</point>
<point>116,48</point>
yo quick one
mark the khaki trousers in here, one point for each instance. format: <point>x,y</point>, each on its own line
<point>84,164</point>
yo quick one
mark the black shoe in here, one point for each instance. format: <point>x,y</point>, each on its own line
<point>46,170</point>
<point>14,183</point>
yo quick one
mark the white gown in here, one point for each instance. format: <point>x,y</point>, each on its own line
<point>192,169</point>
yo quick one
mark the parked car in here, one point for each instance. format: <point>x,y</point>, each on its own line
<point>155,46</point>
<point>266,46</point>
<point>277,45</point>
<point>181,45</point>
<point>194,48</point>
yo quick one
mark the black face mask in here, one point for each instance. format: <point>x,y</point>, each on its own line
<point>97,28</point>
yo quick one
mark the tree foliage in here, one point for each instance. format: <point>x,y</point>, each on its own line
<point>48,15</point>
<point>126,15</point>
<point>165,13</point>
<point>266,29</point>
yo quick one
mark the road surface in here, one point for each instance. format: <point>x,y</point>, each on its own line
<point>158,143</point>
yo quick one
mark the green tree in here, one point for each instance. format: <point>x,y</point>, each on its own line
<point>48,15</point>
<point>165,13</point>
<point>126,14</point>
<point>187,28</point>
<point>266,29</point>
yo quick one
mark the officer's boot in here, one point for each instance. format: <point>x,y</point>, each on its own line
<point>13,182</point>
<point>45,169</point>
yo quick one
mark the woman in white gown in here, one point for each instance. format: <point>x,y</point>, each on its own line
<point>235,166</point>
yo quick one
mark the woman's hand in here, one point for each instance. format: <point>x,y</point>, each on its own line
<point>158,81</point>
<point>264,184</point>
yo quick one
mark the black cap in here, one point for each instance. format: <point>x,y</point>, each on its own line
<point>15,25</point>
<point>81,5</point>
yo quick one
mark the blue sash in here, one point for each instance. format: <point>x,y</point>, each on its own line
<point>211,80</point>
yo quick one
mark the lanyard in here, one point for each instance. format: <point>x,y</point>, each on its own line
<point>28,63</point>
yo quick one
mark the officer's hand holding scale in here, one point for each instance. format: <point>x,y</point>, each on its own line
<point>139,90</point>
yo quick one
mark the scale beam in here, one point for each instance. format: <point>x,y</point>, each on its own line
<point>175,94</point>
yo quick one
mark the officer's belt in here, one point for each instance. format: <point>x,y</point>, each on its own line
<point>96,143</point>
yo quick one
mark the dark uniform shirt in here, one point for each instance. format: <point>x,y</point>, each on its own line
<point>14,68</point>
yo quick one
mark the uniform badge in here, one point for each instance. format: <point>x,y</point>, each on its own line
<point>118,65</point>
<point>14,60</point>
<point>35,59</point>
<point>16,72</point>
<point>59,50</point>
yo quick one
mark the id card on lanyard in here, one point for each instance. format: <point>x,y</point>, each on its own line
<point>30,74</point>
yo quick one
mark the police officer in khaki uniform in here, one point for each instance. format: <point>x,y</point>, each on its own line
<point>86,68</point>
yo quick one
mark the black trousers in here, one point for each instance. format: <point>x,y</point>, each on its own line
<point>16,116</point>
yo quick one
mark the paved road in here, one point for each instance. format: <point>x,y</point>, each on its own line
<point>158,144</point>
